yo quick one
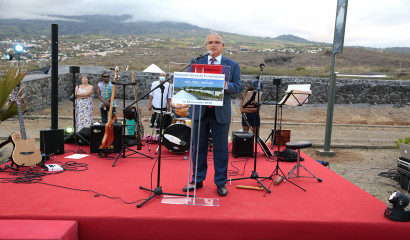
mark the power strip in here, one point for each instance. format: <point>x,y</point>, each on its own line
<point>54,167</point>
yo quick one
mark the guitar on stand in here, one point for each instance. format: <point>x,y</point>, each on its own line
<point>139,128</point>
<point>25,152</point>
<point>108,138</point>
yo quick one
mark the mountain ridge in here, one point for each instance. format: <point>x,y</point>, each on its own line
<point>106,25</point>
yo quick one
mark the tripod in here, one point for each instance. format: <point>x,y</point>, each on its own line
<point>123,140</point>
<point>254,174</point>
<point>158,190</point>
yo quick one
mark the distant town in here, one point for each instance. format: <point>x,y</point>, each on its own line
<point>37,49</point>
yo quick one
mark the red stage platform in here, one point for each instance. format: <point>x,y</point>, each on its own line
<point>86,192</point>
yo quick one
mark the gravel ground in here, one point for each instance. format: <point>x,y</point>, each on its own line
<point>363,136</point>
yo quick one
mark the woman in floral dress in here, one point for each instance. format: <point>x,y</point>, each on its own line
<point>84,104</point>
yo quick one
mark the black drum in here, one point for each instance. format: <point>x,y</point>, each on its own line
<point>177,138</point>
<point>167,117</point>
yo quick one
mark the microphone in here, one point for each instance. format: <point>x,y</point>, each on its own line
<point>205,54</point>
<point>262,65</point>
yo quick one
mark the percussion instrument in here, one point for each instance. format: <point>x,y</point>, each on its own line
<point>167,118</point>
<point>177,138</point>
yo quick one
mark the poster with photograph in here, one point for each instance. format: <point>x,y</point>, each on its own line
<point>198,88</point>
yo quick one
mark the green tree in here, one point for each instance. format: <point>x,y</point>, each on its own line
<point>11,76</point>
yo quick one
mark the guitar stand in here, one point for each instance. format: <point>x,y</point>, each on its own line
<point>123,140</point>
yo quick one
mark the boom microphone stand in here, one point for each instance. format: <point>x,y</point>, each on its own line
<point>158,190</point>
<point>123,143</point>
<point>254,174</point>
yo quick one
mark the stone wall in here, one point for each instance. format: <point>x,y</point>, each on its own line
<point>348,91</point>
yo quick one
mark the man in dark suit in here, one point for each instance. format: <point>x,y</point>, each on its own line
<point>217,119</point>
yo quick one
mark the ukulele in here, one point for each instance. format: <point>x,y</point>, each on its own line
<point>25,152</point>
<point>140,129</point>
<point>108,138</point>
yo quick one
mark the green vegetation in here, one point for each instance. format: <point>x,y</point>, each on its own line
<point>405,141</point>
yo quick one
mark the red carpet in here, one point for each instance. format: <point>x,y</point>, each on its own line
<point>333,209</point>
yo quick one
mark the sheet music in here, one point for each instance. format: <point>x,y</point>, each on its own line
<point>295,97</point>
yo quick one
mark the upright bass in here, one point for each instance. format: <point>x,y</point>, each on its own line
<point>108,138</point>
<point>139,128</point>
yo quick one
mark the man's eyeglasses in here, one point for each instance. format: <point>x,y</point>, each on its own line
<point>213,43</point>
<point>105,76</point>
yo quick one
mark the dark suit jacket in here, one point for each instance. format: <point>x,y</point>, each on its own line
<point>223,113</point>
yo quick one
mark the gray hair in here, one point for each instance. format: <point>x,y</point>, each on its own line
<point>215,33</point>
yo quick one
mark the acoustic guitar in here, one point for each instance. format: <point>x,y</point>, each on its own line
<point>108,138</point>
<point>25,152</point>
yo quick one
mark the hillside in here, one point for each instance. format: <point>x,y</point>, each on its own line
<point>89,39</point>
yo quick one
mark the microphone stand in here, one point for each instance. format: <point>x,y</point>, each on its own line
<point>254,174</point>
<point>158,190</point>
<point>123,143</point>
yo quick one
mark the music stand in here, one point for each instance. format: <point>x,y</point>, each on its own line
<point>293,97</point>
<point>123,141</point>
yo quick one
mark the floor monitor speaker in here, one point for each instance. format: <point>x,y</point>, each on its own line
<point>52,141</point>
<point>242,144</point>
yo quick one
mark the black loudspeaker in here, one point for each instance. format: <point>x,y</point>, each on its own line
<point>74,69</point>
<point>52,141</point>
<point>97,134</point>
<point>242,144</point>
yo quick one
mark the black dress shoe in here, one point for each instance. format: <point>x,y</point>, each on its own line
<point>222,191</point>
<point>191,186</point>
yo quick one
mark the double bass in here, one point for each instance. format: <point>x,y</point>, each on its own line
<point>140,129</point>
<point>108,138</point>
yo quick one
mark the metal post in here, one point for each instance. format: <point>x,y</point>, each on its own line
<point>330,108</point>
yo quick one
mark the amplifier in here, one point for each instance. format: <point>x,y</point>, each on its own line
<point>242,144</point>
<point>403,167</point>
<point>97,135</point>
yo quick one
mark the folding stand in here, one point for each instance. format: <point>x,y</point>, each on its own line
<point>123,141</point>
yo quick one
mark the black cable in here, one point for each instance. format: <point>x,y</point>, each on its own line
<point>392,174</point>
<point>36,175</point>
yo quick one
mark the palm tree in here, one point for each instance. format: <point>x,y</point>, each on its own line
<point>10,78</point>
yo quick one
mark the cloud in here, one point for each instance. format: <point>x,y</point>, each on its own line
<point>375,23</point>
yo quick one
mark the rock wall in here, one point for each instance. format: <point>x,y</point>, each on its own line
<point>348,91</point>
